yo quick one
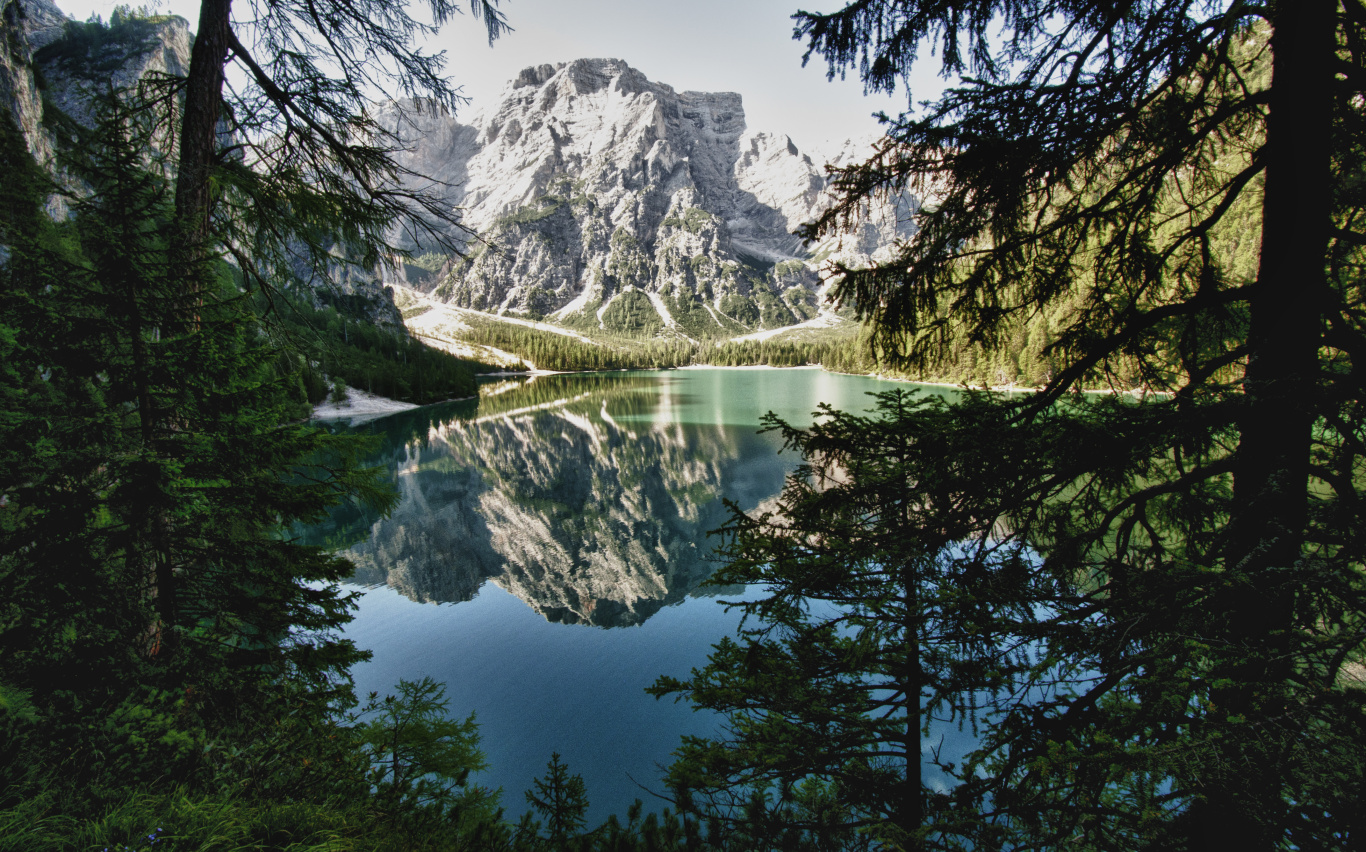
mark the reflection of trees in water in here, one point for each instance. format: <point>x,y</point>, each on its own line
<point>543,492</point>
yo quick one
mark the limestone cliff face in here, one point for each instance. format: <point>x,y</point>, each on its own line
<point>43,22</point>
<point>24,27</point>
<point>140,52</point>
<point>885,221</point>
<point>48,61</point>
<point>607,201</point>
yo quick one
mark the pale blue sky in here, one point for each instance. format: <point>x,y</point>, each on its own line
<point>740,46</point>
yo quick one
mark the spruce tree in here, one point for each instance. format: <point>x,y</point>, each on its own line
<point>154,476</point>
<point>1194,682</point>
<point>562,799</point>
<point>873,625</point>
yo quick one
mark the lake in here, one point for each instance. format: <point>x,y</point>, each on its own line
<point>546,556</point>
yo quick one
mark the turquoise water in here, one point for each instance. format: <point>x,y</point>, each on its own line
<point>545,558</point>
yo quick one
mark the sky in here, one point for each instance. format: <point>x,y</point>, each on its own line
<point>742,46</point>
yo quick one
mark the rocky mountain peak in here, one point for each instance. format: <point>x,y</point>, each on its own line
<point>535,75</point>
<point>598,198</point>
<point>586,76</point>
<point>588,183</point>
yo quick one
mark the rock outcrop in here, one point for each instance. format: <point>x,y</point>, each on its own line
<point>25,26</point>
<point>51,67</point>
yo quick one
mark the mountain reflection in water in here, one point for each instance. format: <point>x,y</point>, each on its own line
<point>567,491</point>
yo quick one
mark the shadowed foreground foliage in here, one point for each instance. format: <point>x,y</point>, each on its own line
<point>1187,576</point>
<point>171,670</point>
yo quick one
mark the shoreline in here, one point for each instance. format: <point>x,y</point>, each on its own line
<point>362,406</point>
<point>1134,392</point>
<point>738,367</point>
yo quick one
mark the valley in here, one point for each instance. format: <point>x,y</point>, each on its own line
<point>458,331</point>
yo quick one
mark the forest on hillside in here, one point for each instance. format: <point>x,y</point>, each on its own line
<point>549,350</point>
<point>336,348</point>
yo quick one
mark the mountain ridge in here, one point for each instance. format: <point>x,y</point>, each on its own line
<point>590,196</point>
<point>607,202</point>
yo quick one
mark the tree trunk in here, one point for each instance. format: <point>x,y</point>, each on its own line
<point>193,200</point>
<point>913,627</point>
<point>199,128</point>
<point>1270,499</point>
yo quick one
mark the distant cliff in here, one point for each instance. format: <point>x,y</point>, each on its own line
<point>605,201</point>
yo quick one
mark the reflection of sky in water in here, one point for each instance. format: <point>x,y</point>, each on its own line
<point>740,397</point>
<point>539,687</point>
<point>489,477</point>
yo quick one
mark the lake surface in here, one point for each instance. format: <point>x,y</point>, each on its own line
<point>546,554</point>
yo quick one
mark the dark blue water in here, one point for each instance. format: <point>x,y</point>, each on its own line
<point>546,558</point>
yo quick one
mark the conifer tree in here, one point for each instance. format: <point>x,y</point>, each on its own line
<point>295,161</point>
<point>874,627</point>
<point>154,469</point>
<point>562,799</point>
<point>1201,552</point>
